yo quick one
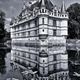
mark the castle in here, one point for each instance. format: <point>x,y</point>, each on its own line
<point>38,37</point>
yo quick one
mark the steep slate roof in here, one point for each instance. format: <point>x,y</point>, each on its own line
<point>42,3</point>
<point>48,4</point>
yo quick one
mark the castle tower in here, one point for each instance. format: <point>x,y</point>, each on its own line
<point>43,65</point>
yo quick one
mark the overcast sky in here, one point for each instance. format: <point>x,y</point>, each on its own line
<point>14,7</point>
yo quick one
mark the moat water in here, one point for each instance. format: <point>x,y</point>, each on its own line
<point>74,63</point>
<point>4,63</point>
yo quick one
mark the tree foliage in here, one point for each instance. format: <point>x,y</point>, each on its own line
<point>74,21</point>
<point>2,24</point>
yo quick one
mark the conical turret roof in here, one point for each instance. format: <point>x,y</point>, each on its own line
<point>63,8</point>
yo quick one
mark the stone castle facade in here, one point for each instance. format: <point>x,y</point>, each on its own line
<point>39,39</point>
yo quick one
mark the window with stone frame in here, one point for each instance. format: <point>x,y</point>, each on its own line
<point>23,34</point>
<point>54,33</point>
<point>28,24</point>
<point>35,32</point>
<point>36,22</point>
<point>23,26</point>
<point>42,20</point>
<point>54,23</point>
<point>55,66</point>
<point>28,33</point>
<point>54,57</point>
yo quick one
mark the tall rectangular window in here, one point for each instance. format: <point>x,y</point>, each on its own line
<point>28,33</point>
<point>29,25</point>
<point>54,23</point>
<point>35,32</point>
<point>55,66</point>
<point>23,34</point>
<point>36,22</point>
<point>42,20</point>
<point>54,32</point>
<point>54,57</point>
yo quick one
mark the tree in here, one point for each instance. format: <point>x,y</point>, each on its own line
<point>74,21</point>
<point>2,23</point>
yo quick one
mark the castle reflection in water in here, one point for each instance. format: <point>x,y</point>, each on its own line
<point>53,65</point>
<point>39,40</point>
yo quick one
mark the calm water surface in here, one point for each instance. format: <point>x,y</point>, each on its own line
<point>4,64</point>
<point>73,59</point>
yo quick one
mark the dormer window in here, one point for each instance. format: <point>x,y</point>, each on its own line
<point>55,13</point>
<point>42,10</point>
<point>65,15</point>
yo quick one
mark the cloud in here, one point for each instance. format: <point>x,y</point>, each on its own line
<point>11,7</point>
<point>8,19</point>
<point>1,2</point>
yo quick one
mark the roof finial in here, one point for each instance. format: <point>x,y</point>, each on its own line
<point>63,8</point>
<point>43,2</point>
<point>24,4</point>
